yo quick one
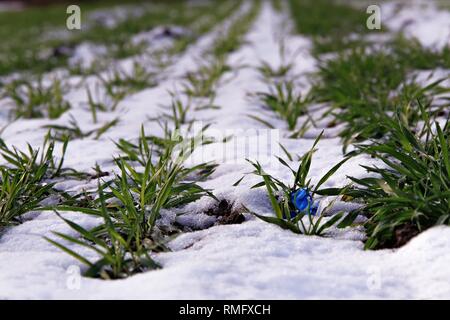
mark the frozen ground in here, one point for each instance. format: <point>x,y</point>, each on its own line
<point>253,260</point>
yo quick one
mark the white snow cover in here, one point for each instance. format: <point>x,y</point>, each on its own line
<point>86,54</point>
<point>420,19</point>
<point>253,260</point>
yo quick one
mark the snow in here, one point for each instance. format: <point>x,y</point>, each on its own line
<point>249,261</point>
<point>86,54</point>
<point>253,260</point>
<point>419,19</point>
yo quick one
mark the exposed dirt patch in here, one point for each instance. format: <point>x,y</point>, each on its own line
<point>332,124</point>
<point>226,213</point>
<point>402,235</point>
<point>99,174</point>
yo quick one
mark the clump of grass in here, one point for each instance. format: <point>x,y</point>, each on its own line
<point>330,23</point>
<point>124,49</point>
<point>74,131</point>
<point>25,179</point>
<point>118,259</point>
<point>119,83</point>
<point>412,190</point>
<point>270,73</point>
<point>168,169</point>
<point>419,57</point>
<point>139,152</point>
<point>324,45</point>
<point>21,192</point>
<point>287,103</point>
<point>101,104</point>
<point>233,38</point>
<point>360,86</point>
<point>313,17</point>
<point>180,110</point>
<point>204,24</point>
<point>21,161</point>
<point>130,231</point>
<point>33,99</point>
<point>202,82</point>
<point>78,69</point>
<point>287,214</point>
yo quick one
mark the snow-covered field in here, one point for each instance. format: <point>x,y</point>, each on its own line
<point>252,260</point>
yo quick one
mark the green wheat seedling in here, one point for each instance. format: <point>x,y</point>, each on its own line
<point>21,192</point>
<point>202,83</point>
<point>148,146</point>
<point>33,99</point>
<point>78,69</point>
<point>360,104</point>
<point>269,72</point>
<point>180,111</point>
<point>118,83</point>
<point>123,49</point>
<point>100,104</point>
<point>283,99</point>
<point>160,60</point>
<point>412,189</point>
<point>117,256</point>
<point>204,24</point>
<point>412,96</point>
<point>223,10</point>
<point>232,39</point>
<point>25,179</point>
<point>412,52</point>
<point>330,34</point>
<point>163,184</point>
<point>160,186</point>
<point>140,152</point>
<point>74,131</point>
<point>70,132</point>
<point>36,159</point>
<point>287,214</point>
<point>129,232</point>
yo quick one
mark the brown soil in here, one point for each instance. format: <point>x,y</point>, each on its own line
<point>226,212</point>
<point>402,235</point>
<point>332,124</point>
<point>405,233</point>
<point>99,175</point>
